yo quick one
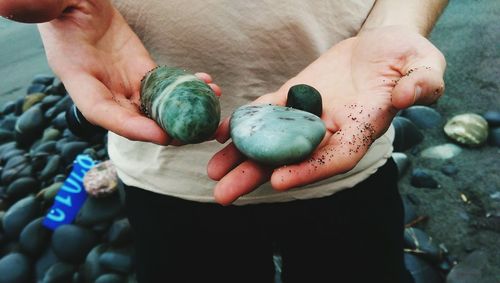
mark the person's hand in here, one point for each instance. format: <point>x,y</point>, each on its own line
<point>364,81</point>
<point>101,62</point>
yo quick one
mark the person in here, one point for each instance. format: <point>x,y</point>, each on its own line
<point>202,213</point>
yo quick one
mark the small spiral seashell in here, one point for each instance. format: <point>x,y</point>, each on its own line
<point>468,129</point>
<point>182,104</point>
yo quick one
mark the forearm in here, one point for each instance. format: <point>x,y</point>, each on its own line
<point>34,11</point>
<point>418,15</point>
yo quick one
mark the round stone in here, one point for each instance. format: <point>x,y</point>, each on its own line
<point>468,129</point>
<point>422,179</point>
<point>59,272</point>
<point>305,97</point>
<point>493,118</point>
<point>71,243</point>
<point>99,210</point>
<point>275,135</point>
<point>15,268</point>
<point>443,151</point>
<point>21,187</point>
<point>19,215</point>
<point>423,117</point>
<point>34,237</point>
<point>118,260</point>
<point>120,232</point>
<point>29,126</point>
<point>406,135</point>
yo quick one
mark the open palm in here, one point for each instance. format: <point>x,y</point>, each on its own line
<point>363,81</point>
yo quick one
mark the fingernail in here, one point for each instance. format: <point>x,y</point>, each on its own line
<point>418,92</point>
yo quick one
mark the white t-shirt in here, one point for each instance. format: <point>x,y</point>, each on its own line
<point>250,48</point>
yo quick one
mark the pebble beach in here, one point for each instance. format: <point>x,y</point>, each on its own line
<point>448,156</point>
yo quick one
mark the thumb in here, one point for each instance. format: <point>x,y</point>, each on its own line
<point>419,85</point>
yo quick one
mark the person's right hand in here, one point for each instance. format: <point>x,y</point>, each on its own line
<point>101,62</point>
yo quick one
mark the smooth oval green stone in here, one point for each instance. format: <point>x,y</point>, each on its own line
<point>275,135</point>
<point>305,97</point>
<point>183,105</point>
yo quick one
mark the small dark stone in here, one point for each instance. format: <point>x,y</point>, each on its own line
<point>423,117</point>
<point>51,168</point>
<point>36,88</point>
<point>98,210</point>
<point>8,123</point>
<point>493,118</point>
<point>50,134</point>
<point>71,243</point>
<point>48,147</point>
<point>117,260</point>
<point>19,215</point>
<point>34,238</point>
<point>22,187</point>
<point>59,122</point>
<point>91,269</point>
<point>49,101</point>
<point>420,270</point>
<point>29,126</point>
<point>19,106</point>
<point>422,179</point>
<point>449,170</point>
<point>15,268</point>
<point>407,134</point>
<point>61,106</point>
<point>111,278</point>
<point>11,153</point>
<point>8,108</point>
<point>305,97</point>
<point>494,137</point>
<point>71,149</point>
<point>6,136</point>
<point>17,167</point>
<point>56,88</point>
<point>59,272</point>
<point>120,232</point>
<point>44,262</point>
<point>43,79</point>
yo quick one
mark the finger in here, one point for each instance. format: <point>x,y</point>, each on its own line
<point>118,115</point>
<point>223,132</point>
<point>224,161</point>
<point>204,77</point>
<point>216,89</point>
<point>243,179</point>
<point>341,153</point>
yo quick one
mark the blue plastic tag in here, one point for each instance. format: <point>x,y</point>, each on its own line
<point>71,195</point>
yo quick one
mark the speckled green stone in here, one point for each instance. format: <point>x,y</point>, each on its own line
<point>183,105</point>
<point>275,135</point>
<point>305,97</point>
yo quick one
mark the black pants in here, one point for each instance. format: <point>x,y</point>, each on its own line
<point>355,235</point>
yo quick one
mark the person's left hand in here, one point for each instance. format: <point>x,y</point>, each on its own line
<point>364,81</point>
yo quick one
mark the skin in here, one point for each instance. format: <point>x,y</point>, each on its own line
<point>364,81</point>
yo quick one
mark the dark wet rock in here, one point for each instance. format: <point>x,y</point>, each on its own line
<point>31,100</point>
<point>8,108</point>
<point>9,247</point>
<point>120,232</point>
<point>43,79</point>
<point>6,136</point>
<point>420,270</point>
<point>59,272</point>
<point>61,106</point>
<point>60,143</point>
<point>34,237</point>
<point>59,178</point>
<point>19,215</point>
<point>59,122</point>
<point>50,134</point>
<point>111,278</point>
<point>19,106</point>
<point>15,268</point>
<point>51,168</point>
<point>422,244</point>
<point>16,167</point>
<point>305,97</point>
<point>45,147</point>
<point>409,211</point>
<point>494,137</point>
<point>118,260</point>
<point>402,162</point>
<point>71,243</point>
<point>98,210</point>
<point>470,269</point>
<point>44,262</point>
<point>91,269</point>
<point>49,101</point>
<point>407,134</point>
<point>22,187</point>
<point>449,170</point>
<point>8,123</point>
<point>11,153</point>
<point>56,88</point>
<point>49,192</point>
<point>420,178</point>
<point>29,126</point>
<point>423,117</point>
<point>36,88</point>
<point>493,118</point>
<point>71,149</point>
<point>101,228</point>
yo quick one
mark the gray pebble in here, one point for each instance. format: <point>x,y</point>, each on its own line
<point>44,262</point>
<point>423,117</point>
<point>120,232</point>
<point>420,178</point>
<point>91,269</point>
<point>71,243</point>
<point>22,187</point>
<point>98,210</point>
<point>51,168</point>
<point>59,272</point>
<point>34,238</point>
<point>493,118</point>
<point>16,167</point>
<point>43,79</point>
<point>19,215</point>
<point>15,268</point>
<point>71,149</point>
<point>118,260</point>
<point>407,134</point>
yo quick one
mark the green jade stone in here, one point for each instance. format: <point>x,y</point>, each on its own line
<point>183,105</point>
<point>275,135</point>
<point>305,97</point>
